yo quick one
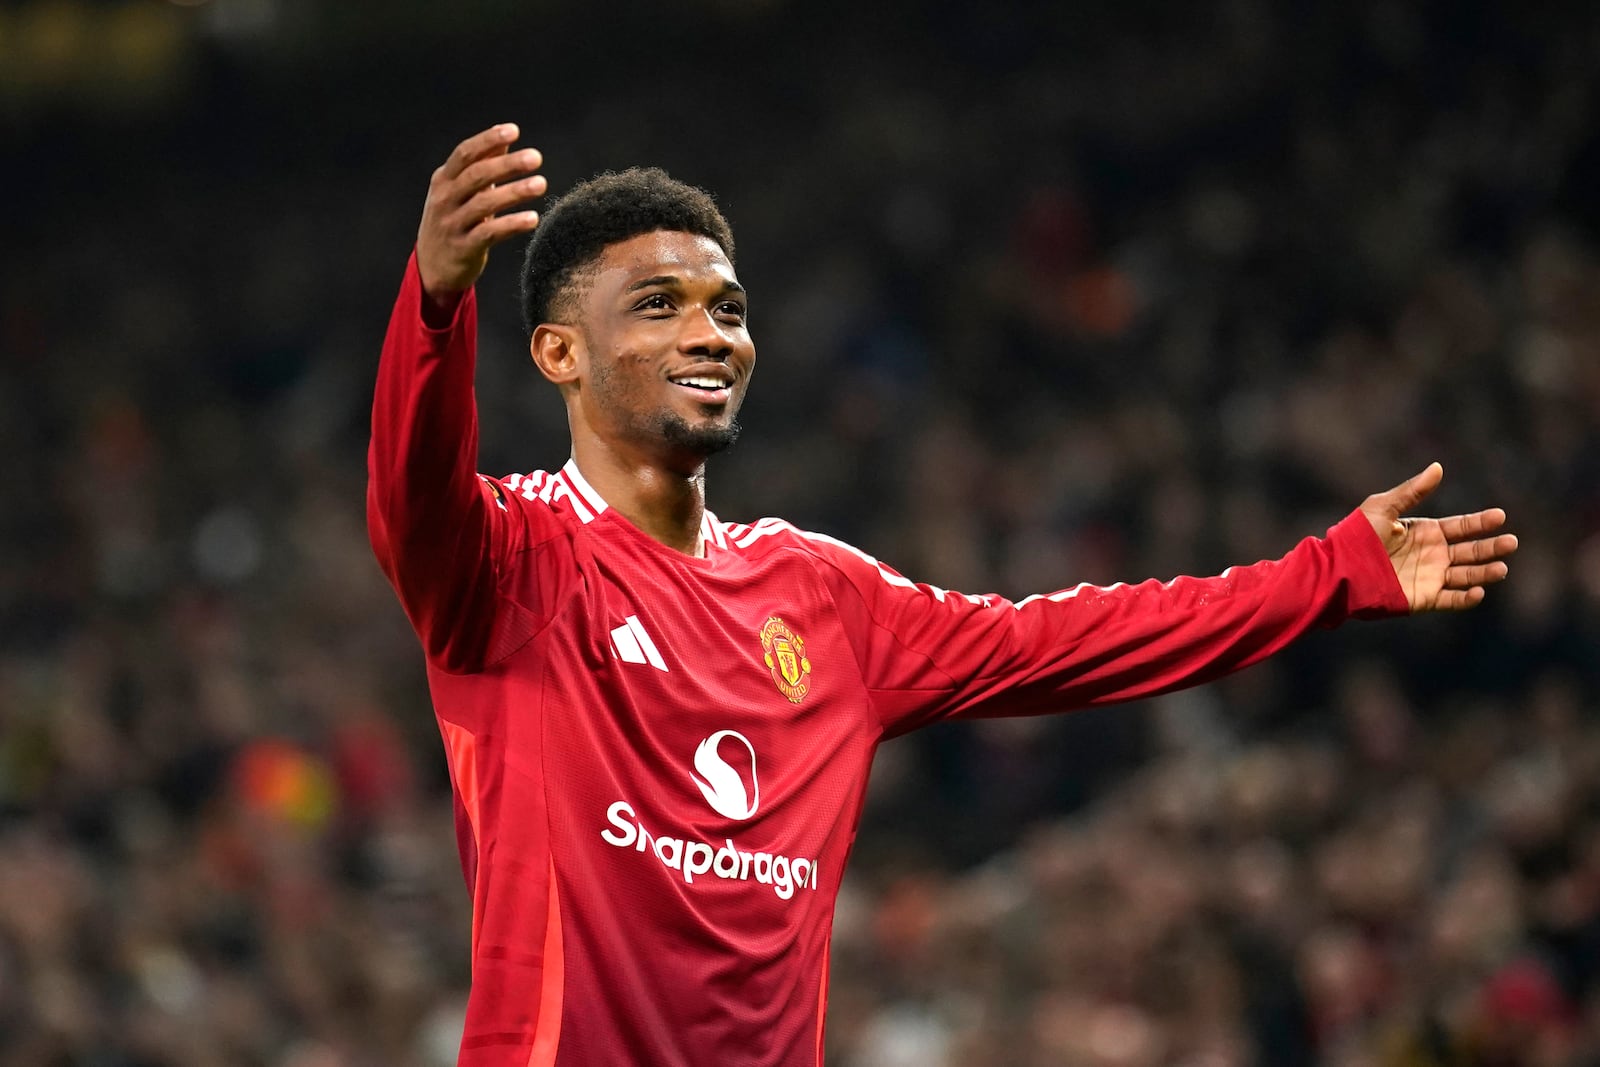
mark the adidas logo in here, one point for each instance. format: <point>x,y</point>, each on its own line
<point>633,645</point>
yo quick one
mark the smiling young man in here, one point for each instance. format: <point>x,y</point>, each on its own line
<point>659,725</point>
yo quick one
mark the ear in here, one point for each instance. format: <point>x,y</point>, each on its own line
<point>557,351</point>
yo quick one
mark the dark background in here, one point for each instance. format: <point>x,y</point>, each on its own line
<point>1043,294</point>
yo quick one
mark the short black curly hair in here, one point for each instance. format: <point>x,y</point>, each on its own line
<point>608,208</point>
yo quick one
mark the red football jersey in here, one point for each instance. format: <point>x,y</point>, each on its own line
<point>659,760</point>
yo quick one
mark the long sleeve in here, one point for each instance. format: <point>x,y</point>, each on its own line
<point>438,529</point>
<point>926,654</point>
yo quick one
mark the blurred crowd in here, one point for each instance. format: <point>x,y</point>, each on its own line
<point>1042,294</point>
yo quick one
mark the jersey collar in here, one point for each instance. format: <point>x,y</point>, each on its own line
<point>711,532</point>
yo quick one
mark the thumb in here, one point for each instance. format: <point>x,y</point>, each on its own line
<point>1414,490</point>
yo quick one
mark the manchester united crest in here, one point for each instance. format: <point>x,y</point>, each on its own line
<point>785,653</point>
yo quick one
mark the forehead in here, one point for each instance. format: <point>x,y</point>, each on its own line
<point>687,256</point>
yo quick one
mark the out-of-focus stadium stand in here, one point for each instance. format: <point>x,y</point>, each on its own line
<point>1043,293</point>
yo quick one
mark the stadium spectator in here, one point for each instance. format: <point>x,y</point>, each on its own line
<point>1198,249</point>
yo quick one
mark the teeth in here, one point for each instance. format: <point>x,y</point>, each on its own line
<point>701,383</point>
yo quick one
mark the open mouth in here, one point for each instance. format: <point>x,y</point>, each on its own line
<point>707,390</point>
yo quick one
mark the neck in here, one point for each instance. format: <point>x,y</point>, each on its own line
<point>666,502</point>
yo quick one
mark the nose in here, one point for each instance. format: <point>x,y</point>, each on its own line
<point>704,336</point>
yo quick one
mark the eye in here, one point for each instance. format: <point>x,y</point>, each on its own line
<point>732,309</point>
<point>654,302</point>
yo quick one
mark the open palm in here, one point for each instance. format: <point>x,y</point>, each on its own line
<point>1442,564</point>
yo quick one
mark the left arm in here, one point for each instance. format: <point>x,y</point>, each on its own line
<point>1441,564</point>
<point>927,655</point>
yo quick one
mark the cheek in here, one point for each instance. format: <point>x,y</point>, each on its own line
<point>627,353</point>
<point>621,374</point>
<point>633,371</point>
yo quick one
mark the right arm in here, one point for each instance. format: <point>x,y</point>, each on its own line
<point>435,525</point>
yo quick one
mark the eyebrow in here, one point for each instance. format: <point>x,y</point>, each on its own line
<point>672,280</point>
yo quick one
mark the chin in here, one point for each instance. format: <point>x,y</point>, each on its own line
<point>705,439</point>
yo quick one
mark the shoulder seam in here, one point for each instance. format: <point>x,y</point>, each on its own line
<point>547,488</point>
<point>870,714</point>
<point>950,684</point>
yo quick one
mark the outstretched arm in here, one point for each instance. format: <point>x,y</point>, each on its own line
<point>926,654</point>
<point>1442,564</point>
<point>462,218</point>
<point>433,522</point>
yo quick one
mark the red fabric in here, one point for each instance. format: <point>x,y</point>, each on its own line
<point>1524,991</point>
<point>678,835</point>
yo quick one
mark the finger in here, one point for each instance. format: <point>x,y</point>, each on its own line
<point>493,140</point>
<point>497,198</point>
<point>1459,599</point>
<point>492,231</point>
<point>1465,577</point>
<point>1484,549</point>
<point>1461,527</point>
<point>1414,490</point>
<point>493,171</point>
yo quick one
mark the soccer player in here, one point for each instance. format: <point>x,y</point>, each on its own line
<point>659,724</point>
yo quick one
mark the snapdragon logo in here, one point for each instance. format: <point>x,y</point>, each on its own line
<point>720,784</point>
<point>724,789</point>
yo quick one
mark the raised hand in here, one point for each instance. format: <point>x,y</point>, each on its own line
<point>462,218</point>
<point>1442,564</point>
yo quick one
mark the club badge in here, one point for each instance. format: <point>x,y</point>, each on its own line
<point>785,654</point>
